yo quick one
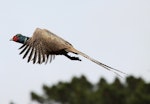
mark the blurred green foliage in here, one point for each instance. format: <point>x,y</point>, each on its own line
<point>81,91</point>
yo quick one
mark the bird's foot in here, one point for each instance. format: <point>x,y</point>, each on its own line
<point>75,58</point>
<point>72,58</point>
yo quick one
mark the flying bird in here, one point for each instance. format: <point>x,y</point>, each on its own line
<point>45,45</point>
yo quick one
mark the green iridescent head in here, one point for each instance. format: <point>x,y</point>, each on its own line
<point>20,38</point>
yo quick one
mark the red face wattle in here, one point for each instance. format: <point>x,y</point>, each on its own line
<point>15,38</point>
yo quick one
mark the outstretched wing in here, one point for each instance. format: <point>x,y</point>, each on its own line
<point>36,48</point>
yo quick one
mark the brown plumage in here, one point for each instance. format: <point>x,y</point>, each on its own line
<point>44,43</point>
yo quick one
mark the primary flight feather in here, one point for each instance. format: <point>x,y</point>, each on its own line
<point>44,45</point>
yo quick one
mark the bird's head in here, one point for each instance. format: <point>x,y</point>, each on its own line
<point>19,38</point>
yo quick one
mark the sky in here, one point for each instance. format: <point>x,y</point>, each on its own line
<point>115,32</point>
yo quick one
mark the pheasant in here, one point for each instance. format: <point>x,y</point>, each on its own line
<point>44,45</point>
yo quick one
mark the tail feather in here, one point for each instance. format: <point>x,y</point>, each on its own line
<point>73,50</point>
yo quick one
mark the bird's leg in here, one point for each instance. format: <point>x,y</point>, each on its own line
<point>72,58</point>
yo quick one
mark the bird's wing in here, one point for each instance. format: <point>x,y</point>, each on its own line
<point>54,43</point>
<point>57,37</point>
<point>40,46</point>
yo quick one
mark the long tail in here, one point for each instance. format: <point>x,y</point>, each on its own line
<point>73,50</point>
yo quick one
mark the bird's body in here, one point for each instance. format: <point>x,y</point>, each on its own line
<point>44,43</point>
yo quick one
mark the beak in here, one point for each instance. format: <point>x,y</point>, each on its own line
<point>10,39</point>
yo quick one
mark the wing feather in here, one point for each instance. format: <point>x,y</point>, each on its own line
<point>39,54</point>
<point>22,46</point>
<point>23,50</point>
<point>47,57</point>
<point>52,57</point>
<point>27,51</point>
<point>35,56</point>
<point>31,54</point>
<point>43,55</point>
<point>36,48</point>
